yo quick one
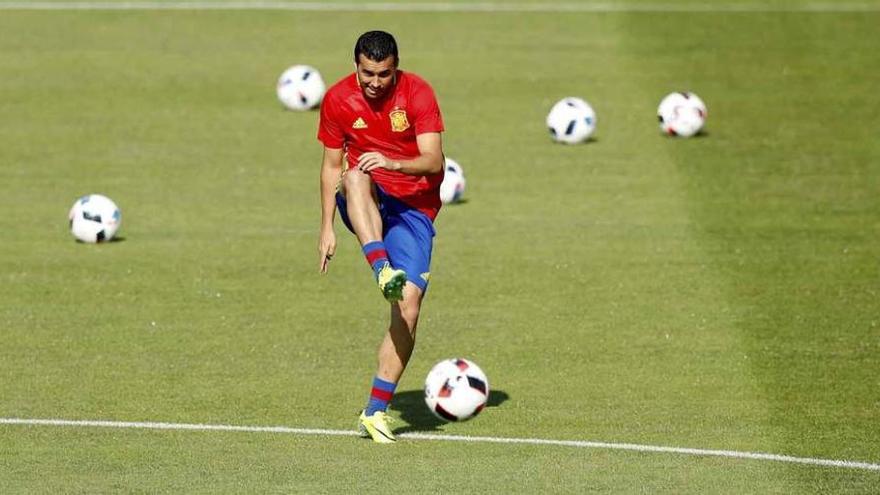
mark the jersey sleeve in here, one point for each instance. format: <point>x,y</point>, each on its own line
<point>426,110</point>
<point>329,131</point>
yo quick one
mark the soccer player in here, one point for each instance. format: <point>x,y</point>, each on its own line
<point>385,124</point>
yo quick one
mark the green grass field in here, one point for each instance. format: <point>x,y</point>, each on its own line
<point>721,292</point>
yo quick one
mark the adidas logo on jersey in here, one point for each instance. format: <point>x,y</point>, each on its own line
<point>359,124</point>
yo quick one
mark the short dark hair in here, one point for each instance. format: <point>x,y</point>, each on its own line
<point>376,46</point>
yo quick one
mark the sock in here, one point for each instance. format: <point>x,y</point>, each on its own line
<point>376,255</point>
<point>380,396</point>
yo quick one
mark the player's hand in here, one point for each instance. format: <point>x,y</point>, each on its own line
<point>373,160</point>
<point>326,248</point>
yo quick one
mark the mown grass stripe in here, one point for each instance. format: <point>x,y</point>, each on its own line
<point>556,7</point>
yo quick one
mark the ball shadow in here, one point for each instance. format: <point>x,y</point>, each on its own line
<point>114,239</point>
<point>589,140</point>
<point>411,406</point>
<point>699,135</point>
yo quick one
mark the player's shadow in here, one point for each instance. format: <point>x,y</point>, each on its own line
<point>411,406</point>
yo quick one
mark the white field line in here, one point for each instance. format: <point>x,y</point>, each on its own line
<point>550,7</point>
<point>450,438</point>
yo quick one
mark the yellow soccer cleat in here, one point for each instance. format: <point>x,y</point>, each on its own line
<point>391,282</point>
<point>376,427</point>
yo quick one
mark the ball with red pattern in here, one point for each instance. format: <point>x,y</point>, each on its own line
<point>456,389</point>
<point>682,114</point>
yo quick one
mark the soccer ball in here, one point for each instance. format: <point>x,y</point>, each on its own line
<point>94,218</point>
<point>456,389</point>
<point>453,183</point>
<point>682,114</point>
<point>571,121</point>
<point>300,88</point>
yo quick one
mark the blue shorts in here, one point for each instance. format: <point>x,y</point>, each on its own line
<point>408,235</point>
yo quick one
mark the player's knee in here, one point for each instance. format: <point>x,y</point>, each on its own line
<point>356,181</point>
<point>409,313</point>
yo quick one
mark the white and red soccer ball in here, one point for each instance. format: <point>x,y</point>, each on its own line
<point>456,389</point>
<point>452,187</point>
<point>300,88</point>
<point>94,218</point>
<point>682,114</point>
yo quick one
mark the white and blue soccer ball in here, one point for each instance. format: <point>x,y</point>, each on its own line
<point>94,218</point>
<point>452,187</point>
<point>300,88</point>
<point>682,114</point>
<point>571,120</point>
<point>456,389</point>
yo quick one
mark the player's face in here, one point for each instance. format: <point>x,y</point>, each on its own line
<point>376,78</point>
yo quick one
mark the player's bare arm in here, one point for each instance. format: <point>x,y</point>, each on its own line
<point>429,161</point>
<point>331,170</point>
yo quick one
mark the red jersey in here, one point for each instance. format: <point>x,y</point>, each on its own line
<point>389,126</point>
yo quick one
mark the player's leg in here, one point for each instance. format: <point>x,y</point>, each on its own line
<point>399,341</point>
<point>362,205</point>
<point>364,219</point>
<point>394,353</point>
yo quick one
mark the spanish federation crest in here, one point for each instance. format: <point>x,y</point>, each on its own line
<point>399,122</point>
